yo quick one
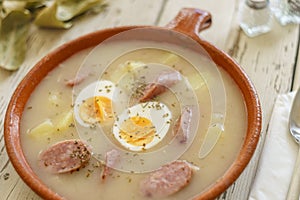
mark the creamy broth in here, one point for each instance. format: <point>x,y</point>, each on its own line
<point>52,98</point>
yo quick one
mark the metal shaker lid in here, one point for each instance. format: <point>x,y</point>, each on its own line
<point>257,4</point>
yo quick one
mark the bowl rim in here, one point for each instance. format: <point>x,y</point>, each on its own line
<point>49,62</point>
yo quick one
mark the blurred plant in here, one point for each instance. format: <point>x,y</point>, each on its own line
<point>17,15</point>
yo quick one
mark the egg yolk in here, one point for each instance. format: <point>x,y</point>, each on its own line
<point>96,109</point>
<point>137,131</point>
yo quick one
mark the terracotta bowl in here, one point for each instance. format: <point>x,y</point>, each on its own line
<point>190,22</point>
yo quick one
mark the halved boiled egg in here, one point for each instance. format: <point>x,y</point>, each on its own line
<point>94,103</point>
<point>142,126</point>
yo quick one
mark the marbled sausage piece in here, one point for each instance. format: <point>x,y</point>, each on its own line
<point>65,156</point>
<point>112,157</point>
<point>167,180</point>
<point>76,80</point>
<point>168,78</point>
<point>164,80</point>
<point>182,126</point>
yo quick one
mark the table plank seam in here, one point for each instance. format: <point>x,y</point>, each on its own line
<point>160,12</point>
<point>4,166</point>
<point>232,51</point>
<point>14,186</point>
<point>296,61</point>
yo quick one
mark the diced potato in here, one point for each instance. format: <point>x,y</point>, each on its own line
<point>50,127</point>
<point>45,129</point>
<point>125,68</point>
<point>196,81</point>
<point>131,65</point>
<point>170,59</point>
<point>64,121</point>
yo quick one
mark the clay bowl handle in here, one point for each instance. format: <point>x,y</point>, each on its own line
<point>191,21</point>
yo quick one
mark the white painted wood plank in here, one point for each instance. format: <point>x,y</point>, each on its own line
<point>14,186</point>
<point>41,42</point>
<point>220,29</point>
<point>269,62</point>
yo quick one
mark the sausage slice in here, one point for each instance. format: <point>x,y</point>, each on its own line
<point>162,82</point>
<point>167,180</point>
<point>65,156</point>
<point>182,126</point>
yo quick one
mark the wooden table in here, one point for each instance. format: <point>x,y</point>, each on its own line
<point>270,60</point>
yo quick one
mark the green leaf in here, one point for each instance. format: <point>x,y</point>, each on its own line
<point>15,18</point>
<point>68,9</point>
<point>31,5</point>
<point>1,10</point>
<point>13,36</point>
<point>47,18</point>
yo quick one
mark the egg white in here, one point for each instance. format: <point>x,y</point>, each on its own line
<point>158,113</point>
<point>103,88</point>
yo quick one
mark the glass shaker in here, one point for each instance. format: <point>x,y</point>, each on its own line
<point>286,11</point>
<point>255,17</point>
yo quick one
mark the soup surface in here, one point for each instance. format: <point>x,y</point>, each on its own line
<point>60,109</point>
